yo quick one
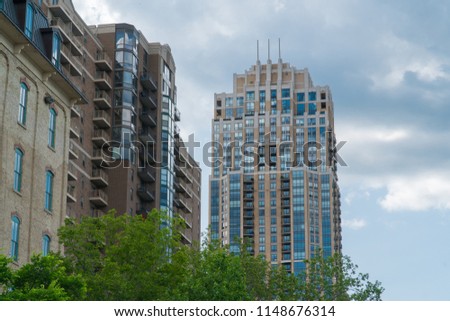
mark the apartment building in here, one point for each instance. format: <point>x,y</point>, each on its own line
<point>274,182</point>
<point>117,143</point>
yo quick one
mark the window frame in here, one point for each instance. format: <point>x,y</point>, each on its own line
<point>46,240</point>
<point>18,169</point>
<point>15,230</point>
<point>49,182</point>
<point>23,103</point>
<point>52,128</point>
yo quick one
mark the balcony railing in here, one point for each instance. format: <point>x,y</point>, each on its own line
<point>99,157</point>
<point>102,61</point>
<point>73,153</point>
<point>148,82</point>
<point>146,137</point>
<point>147,118</point>
<point>102,100</point>
<point>99,177</point>
<point>146,175</point>
<point>75,111</point>
<point>100,137</point>
<point>148,100</point>
<point>177,114</point>
<point>102,119</point>
<point>145,193</point>
<point>71,194</point>
<point>102,80</point>
<point>71,172</point>
<point>99,198</point>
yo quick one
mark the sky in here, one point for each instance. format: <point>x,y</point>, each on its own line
<point>388,66</point>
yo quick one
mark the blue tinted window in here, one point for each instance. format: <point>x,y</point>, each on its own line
<point>285,93</point>
<point>312,95</point>
<point>14,251</point>
<point>300,96</point>
<point>45,245</point>
<point>312,109</point>
<point>300,109</point>
<point>29,18</point>
<point>18,165</point>
<point>49,191</point>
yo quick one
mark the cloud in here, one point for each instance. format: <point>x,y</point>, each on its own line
<point>421,192</point>
<point>96,12</point>
<point>354,224</point>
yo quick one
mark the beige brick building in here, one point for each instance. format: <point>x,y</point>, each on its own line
<point>35,101</point>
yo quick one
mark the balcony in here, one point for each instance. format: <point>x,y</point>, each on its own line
<point>285,186</point>
<point>58,9</point>
<point>74,132</point>
<point>248,205</point>
<point>68,36</point>
<point>102,100</point>
<point>103,62</point>
<point>99,177</point>
<point>146,118</point>
<point>176,131</point>
<point>71,194</point>
<point>71,172</point>
<point>74,63</point>
<point>100,138</point>
<point>99,198</point>
<point>146,175</point>
<point>146,137</point>
<point>102,80</point>
<point>177,114</point>
<point>285,195</point>
<point>145,194</point>
<point>148,82</point>
<point>75,111</point>
<point>285,204</point>
<point>73,153</point>
<point>99,157</point>
<point>184,204</point>
<point>148,100</point>
<point>102,119</point>
<point>180,171</point>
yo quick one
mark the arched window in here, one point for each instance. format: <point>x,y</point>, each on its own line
<point>45,245</point>
<point>49,191</point>
<point>18,166</point>
<point>56,50</point>
<point>22,118</point>
<point>52,128</point>
<point>14,252</point>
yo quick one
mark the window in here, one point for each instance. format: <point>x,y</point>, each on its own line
<point>52,128</point>
<point>14,252</point>
<point>56,50</point>
<point>22,118</point>
<point>49,191</point>
<point>29,21</point>
<point>18,166</point>
<point>45,245</point>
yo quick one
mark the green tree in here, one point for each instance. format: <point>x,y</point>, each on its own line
<point>336,278</point>
<point>44,278</point>
<point>124,257</point>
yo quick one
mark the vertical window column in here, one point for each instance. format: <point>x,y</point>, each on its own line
<point>49,191</point>
<point>14,251</point>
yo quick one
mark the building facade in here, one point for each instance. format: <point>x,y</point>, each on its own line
<point>36,97</point>
<point>274,180</point>
<point>111,125</point>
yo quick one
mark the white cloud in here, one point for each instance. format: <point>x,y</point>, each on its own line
<point>354,224</point>
<point>96,12</point>
<point>418,193</point>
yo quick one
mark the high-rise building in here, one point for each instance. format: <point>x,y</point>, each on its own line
<point>105,99</point>
<point>274,180</point>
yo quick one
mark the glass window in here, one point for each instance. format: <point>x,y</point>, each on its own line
<point>56,50</point>
<point>250,95</point>
<point>49,191</point>
<point>29,18</point>
<point>45,245</point>
<point>312,109</point>
<point>312,96</point>
<point>285,93</point>
<point>300,97</point>
<point>240,101</point>
<point>300,109</point>
<point>22,118</point>
<point>18,166</point>
<point>14,251</point>
<point>52,128</point>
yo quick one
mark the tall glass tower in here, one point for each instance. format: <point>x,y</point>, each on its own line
<point>274,178</point>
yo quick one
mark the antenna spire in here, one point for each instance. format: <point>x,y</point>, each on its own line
<point>257,51</point>
<point>268,50</point>
<point>279,49</point>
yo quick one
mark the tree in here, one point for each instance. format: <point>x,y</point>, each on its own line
<point>124,257</point>
<point>336,278</point>
<point>43,279</point>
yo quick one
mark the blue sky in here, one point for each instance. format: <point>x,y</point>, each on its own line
<point>388,66</point>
